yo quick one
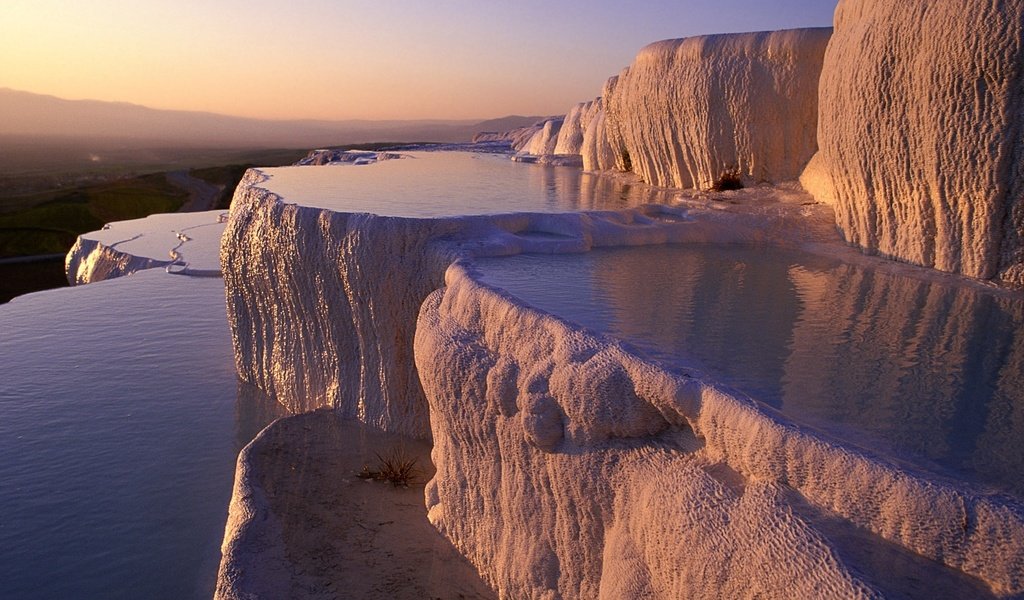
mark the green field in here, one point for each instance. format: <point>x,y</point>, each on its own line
<point>44,215</point>
<point>52,225</point>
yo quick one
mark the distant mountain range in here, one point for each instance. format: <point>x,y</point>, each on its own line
<point>28,114</point>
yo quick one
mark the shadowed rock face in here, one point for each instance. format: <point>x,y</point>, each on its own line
<point>687,110</point>
<point>918,132</point>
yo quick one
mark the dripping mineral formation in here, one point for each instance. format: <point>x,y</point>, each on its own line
<point>919,134</point>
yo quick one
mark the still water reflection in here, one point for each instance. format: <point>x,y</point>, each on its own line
<point>928,371</point>
<point>120,421</point>
<point>435,184</point>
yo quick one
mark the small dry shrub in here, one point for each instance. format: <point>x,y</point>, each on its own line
<point>397,466</point>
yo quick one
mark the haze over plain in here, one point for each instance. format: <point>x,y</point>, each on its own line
<point>330,60</point>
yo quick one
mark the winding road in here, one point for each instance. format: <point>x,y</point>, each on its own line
<point>202,195</point>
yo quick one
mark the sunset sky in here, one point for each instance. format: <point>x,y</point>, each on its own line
<point>341,59</point>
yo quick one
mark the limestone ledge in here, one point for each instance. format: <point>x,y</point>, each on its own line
<point>564,461</point>
<point>569,467</point>
<point>322,305</point>
<point>90,261</point>
<point>182,243</point>
<point>688,110</point>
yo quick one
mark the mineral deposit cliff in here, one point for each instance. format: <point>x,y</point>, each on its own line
<point>322,304</point>
<point>919,133</point>
<point>568,465</point>
<point>183,243</point>
<point>905,118</point>
<point>544,141</point>
<point>579,117</point>
<point>688,110</point>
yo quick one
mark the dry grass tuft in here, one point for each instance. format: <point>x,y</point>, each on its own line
<point>397,466</point>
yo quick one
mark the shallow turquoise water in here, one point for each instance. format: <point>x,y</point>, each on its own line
<point>929,372</point>
<point>120,422</point>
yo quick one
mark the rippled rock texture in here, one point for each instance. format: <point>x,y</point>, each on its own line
<point>686,111</point>
<point>568,467</point>
<point>919,133</point>
<point>544,141</point>
<point>577,120</point>
<point>322,304</point>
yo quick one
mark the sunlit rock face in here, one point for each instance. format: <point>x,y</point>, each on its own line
<point>323,304</point>
<point>920,149</point>
<point>688,110</point>
<point>518,138</point>
<point>89,261</point>
<point>598,154</point>
<point>579,117</point>
<point>545,139</point>
<point>568,467</point>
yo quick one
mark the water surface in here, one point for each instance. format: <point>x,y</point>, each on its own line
<point>926,371</point>
<point>440,184</point>
<point>120,421</point>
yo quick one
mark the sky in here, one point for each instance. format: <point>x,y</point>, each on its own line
<point>343,59</point>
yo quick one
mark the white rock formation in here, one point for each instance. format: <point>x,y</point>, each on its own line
<point>518,138</point>
<point>568,467</point>
<point>484,137</point>
<point>323,304</point>
<point>254,555</point>
<point>545,139</point>
<point>183,243</point>
<point>554,141</point>
<point>344,157</point>
<point>635,479</point>
<point>577,120</point>
<point>688,110</point>
<point>315,320</point>
<point>598,153</point>
<point>920,149</point>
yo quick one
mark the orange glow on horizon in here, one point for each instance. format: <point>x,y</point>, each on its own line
<point>338,59</point>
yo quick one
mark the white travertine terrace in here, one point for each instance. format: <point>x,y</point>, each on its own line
<point>322,304</point>
<point>629,469</point>
<point>569,467</point>
<point>322,157</point>
<point>183,243</point>
<point>518,138</point>
<point>597,151</point>
<point>688,110</point>
<point>919,133</point>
